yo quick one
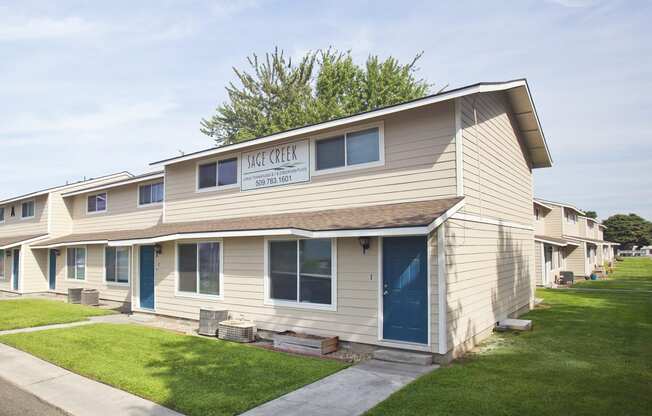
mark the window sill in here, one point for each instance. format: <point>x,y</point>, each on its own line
<point>27,218</point>
<point>297,305</point>
<point>198,296</point>
<point>151,205</point>
<point>97,212</point>
<point>117,284</point>
<point>343,169</point>
<point>218,188</point>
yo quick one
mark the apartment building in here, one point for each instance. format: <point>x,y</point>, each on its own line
<point>567,240</point>
<point>408,226</point>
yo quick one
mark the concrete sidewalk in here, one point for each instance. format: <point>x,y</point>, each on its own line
<point>70,392</point>
<point>111,319</point>
<point>347,393</point>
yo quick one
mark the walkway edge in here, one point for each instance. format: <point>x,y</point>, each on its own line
<point>71,392</point>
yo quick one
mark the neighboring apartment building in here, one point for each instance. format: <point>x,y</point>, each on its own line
<point>408,226</point>
<point>567,240</point>
<point>30,218</point>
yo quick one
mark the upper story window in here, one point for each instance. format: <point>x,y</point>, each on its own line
<point>150,194</point>
<point>96,203</point>
<point>218,174</point>
<point>362,148</point>
<point>590,223</point>
<point>27,209</point>
<point>571,217</point>
<point>537,213</point>
<point>2,214</point>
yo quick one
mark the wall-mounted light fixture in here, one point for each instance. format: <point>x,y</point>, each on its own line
<point>56,252</point>
<point>8,253</point>
<point>158,249</point>
<point>365,243</point>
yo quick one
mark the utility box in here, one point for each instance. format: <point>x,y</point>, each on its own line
<point>209,320</point>
<point>74,295</point>
<point>90,297</point>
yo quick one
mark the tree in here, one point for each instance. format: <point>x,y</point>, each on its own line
<point>277,95</point>
<point>628,230</point>
<point>591,214</point>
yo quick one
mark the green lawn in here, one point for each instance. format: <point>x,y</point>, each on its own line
<point>590,353</point>
<point>635,275</point>
<point>193,375</point>
<point>26,313</point>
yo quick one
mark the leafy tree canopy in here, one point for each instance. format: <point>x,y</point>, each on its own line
<point>628,230</point>
<point>591,214</point>
<point>278,94</point>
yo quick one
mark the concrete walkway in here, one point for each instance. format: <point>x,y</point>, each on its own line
<point>70,392</point>
<point>349,392</point>
<point>112,319</point>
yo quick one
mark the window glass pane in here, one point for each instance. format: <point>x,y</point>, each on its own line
<point>101,202</point>
<point>80,264</point>
<point>92,206</point>
<point>2,214</point>
<point>188,268</point>
<point>145,194</point>
<point>2,264</point>
<point>330,153</point>
<point>109,264</point>
<point>209,268</point>
<point>207,175</point>
<point>315,269</point>
<point>70,263</point>
<point>27,209</point>
<point>227,171</point>
<point>157,192</point>
<point>283,270</point>
<point>362,147</point>
<point>122,265</point>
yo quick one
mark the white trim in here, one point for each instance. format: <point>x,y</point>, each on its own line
<point>197,295</point>
<point>106,203</point>
<point>267,300</point>
<point>151,204</point>
<point>442,291</point>
<point>445,96</point>
<point>553,243</point>
<point>3,256</point>
<point>33,201</point>
<point>459,149</point>
<point>345,132</point>
<point>73,243</point>
<point>492,221</point>
<point>15,275</point>
<point>75,268</point>
<point>536,202</point>
<point>217,187</point>
<point>102,187</point>
<point>450,212</point>
<point>560,204</point>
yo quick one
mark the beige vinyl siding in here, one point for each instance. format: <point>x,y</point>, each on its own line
<point>434,289</point>
<point>538,263</point>
<point>122,212</point>
<point>356,317</point>
<point>497,174</point>
<point>94,275</point>
<point>599,233</point>
<point>569,227</point>
<point>34,269</point>
<point>583,228</point>
<point>554,222</point>
<point>540,224</point>
<point>490,275</point>
<point>15,226</point>
<point>60,216</point>
<point>419,165</point>
<point>575,260</point>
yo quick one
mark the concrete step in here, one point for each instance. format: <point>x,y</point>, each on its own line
<point>405,357</point>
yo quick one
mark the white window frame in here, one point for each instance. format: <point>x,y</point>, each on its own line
<point>217,177</point>
<point>34,209</point>
<point>85,264</point>
<point>151,204</point>
<point>3,260</point>
<point>116,283</point>
<point>300,305</point>
<point>197,295</point>
<point>106,205</point>
<point>343,132</point>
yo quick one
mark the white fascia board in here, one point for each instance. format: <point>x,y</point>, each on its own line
<point>114,185</point>
<point>536,202</point>
<point>553,243</point>
<point>564,205</point>
<point>445,216</point>
<point>20,243</point>
<point>473,89</point>
<point>72,243</point>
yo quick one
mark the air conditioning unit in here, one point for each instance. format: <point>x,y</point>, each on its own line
<point>237,330</point>
<point>75,295</point>
<point>209,320</point>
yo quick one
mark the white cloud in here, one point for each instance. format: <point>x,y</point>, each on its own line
<point>16,29</point>
<point>228,8</point>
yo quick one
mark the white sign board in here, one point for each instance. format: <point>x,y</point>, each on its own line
<point>273,166</point>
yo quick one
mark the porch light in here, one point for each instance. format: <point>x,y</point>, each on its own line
<point>158,249</point>
<point>56,252</point>
<point>8,253</point>
<point>365,243</point>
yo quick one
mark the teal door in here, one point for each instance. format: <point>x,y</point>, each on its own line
<point>147,277</point>
<point>405,289</point>
<point>52,273</point>
<point>16,268</point>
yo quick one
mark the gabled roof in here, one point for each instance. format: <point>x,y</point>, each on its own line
<point>560,204</point>
<point>134,179</point>
<point>518,93</point>
<point>541,204</point>
<point>9,242</point>
<point>59,188</point>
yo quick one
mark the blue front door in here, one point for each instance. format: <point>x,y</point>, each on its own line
<point>405,289</point>
<point>16,268</point>
<point>53,269</point>
<point>147,277</point>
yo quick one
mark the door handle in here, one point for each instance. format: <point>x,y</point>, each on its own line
<point>385,292</point>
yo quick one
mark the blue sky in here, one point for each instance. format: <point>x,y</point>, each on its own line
<point>87,88</point>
